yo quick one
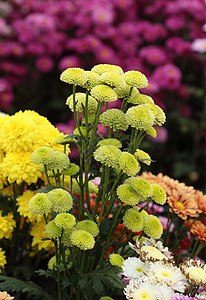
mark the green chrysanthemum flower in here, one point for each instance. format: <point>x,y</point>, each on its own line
<point>82,239</point>
<point>92,187</point>
<point>160,117</point>
<point>89,226</point>
<point>80,99</point>
<point>135,78</point>
<point>92,80</point>
<point>138,99</point>
<point>151,132</point>
<point>52,230</point>
<point>133,220</point>
<point>66,237</point>
<point>60,161</point>
<point>52,263</point>
<point>128,195</point>
<point>123,91</point>
<point>114,118</point>
<point>65,220</point>
<point>116,260</point>
<point>141,186</point>
<point>128,164</point>
<point>108,155</point>
<point>61,200</point>
<point>106,298</point>
<point>43,155</point>
<point>112,79</point>
<point>142,156</point>
<point>140,117</point>
<point>90,118</point>
<point>152,227</point>
<point>76,76</point>
<point>159,195</point>
<point>72,170</point>
<point>102,68</point>
<point>62,140</point>
<point>83,131</point>
<point>113,142</point>
<point>103,92</point>
<point>40,204</point>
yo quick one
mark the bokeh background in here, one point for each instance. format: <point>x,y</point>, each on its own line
<point>166,40</point>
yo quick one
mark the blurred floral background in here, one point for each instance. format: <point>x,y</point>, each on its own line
<point>165,40</point>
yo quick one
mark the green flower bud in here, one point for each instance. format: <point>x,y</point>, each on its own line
<point>113,142</point>
<point>40,204</point>
<point>116,260</point>
<point>72,170</point>
<point>102,68</point>
<point>142,156</point>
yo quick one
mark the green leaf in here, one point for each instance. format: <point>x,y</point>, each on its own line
<point>98,285</point>
<point>48,273</point>
<point>82,283</point>
<point>11,284</point>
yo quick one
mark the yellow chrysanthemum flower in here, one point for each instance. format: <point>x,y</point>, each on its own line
<point>133,220</point>
<point>103,92</point>
<point>38,233</point>
<point>102,68</point>
<point>116,259</point>
<point>2,260</point>
<point>135,78</point>
<point>7,225</point>
<point>76,76</point>
<point>23,206</point>
<point>114,118</point>
<point>80,100</point>
<point>152,227</point>
<point>142,156</point>
<point>17,167</point>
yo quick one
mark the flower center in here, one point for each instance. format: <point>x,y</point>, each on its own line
<point>180,205</point>
<point>139,269</point>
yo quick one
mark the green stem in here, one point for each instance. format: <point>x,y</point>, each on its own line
<point>106,179</point>
<point>47,177</point>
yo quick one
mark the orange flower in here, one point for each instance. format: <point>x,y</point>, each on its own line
<point>199,230</point>
<point>201,201</point>
<point>182,199</point>
<point>5,296</point>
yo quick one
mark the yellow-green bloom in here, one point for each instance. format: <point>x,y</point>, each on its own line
<point>52,263</point>
<point>60,161</point>
<point>142,156</point>
<point>71,170</point>
<point>82,239</point>
<point>159,114</point>
<point>123,91</point>
<point>151,132</point>
<point>66,237</point>
<point>152,227</point>
<point>133,220</point>
<point>114,118</point>
<point>141,186</point>
<point>102,68</point>
<point>80,100</point>
<point>90,118</point>
<point>116,259</point>
<point>140,117</point>
<point>108,155</point>
<point>138,99</point>
<point>43,155</point>
<point>52,230</point>
<point>65,220</point>
<point>92,80</point>
<point>113,142</point>
<point>158,195</point>
<point>61,200</point>
<point>106,298</point>
<point>103,92</point>
<point>89,226</point>
<point>128,164</point>
<point>40,204</point>
<point>83,131</point>
<point>62,140</point>
<point>128,195</point>
<point>76,76</point>
<point>112,79</point>
<point>135,78</point>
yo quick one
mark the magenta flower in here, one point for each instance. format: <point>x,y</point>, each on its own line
<point>44,63</point>
<point>167,76</point>
<point>154,55</point>
<point>69,61</point>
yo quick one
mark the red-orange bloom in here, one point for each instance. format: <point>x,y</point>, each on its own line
<point>199,229</point>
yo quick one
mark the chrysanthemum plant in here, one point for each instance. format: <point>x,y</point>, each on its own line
<point>91,227</point>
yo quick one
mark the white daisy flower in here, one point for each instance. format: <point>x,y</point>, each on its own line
<point>134,268</point>
<point>195,271</point>
<point>167,274</point>
<point>138,290</point>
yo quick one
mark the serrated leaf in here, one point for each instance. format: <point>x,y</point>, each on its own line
<point>113,282</point>
<point>82,283</point>
<point>98,285</point>
<point>48,273</point>
<point>11,284</point>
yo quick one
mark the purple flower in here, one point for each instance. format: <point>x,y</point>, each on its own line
<point>154,55</point>
<point>44,63</point>
<point>167,76</point>
<point>175,23</point>
<point>69,61</point>
<point>162,135</point>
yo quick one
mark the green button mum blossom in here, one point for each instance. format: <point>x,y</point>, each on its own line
<point>53,230</point>
<point>43,155</point>
<point>92,80</point>
<point>151,132</point>
<point>123,91</point>
<point>72,170</point>
<point>40,204</point>
<point>133,220</point>
<point>141,186</point>
<point>128,164</point>
<point>82,239</point>
<point>159,196</point>
<point>89,226</point>
<point>152,227</point>
<point>75,76</point>
<point>114,118</point>
<point>112,79</point>
<point>103,92</point>
<point>102,68</point>
<point>142,156</point>
<point>61,200</point>
<point>160,117</point>
<point>138,99</point>
<point>108,155</point>
<point>113,142</point>
<point>116,259</point>
<point>80,99</point>
<point>60,161</point>
<point>65,220</point>
<point>128,195</point>
<point>140,117</point>
<point>136,79</point>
